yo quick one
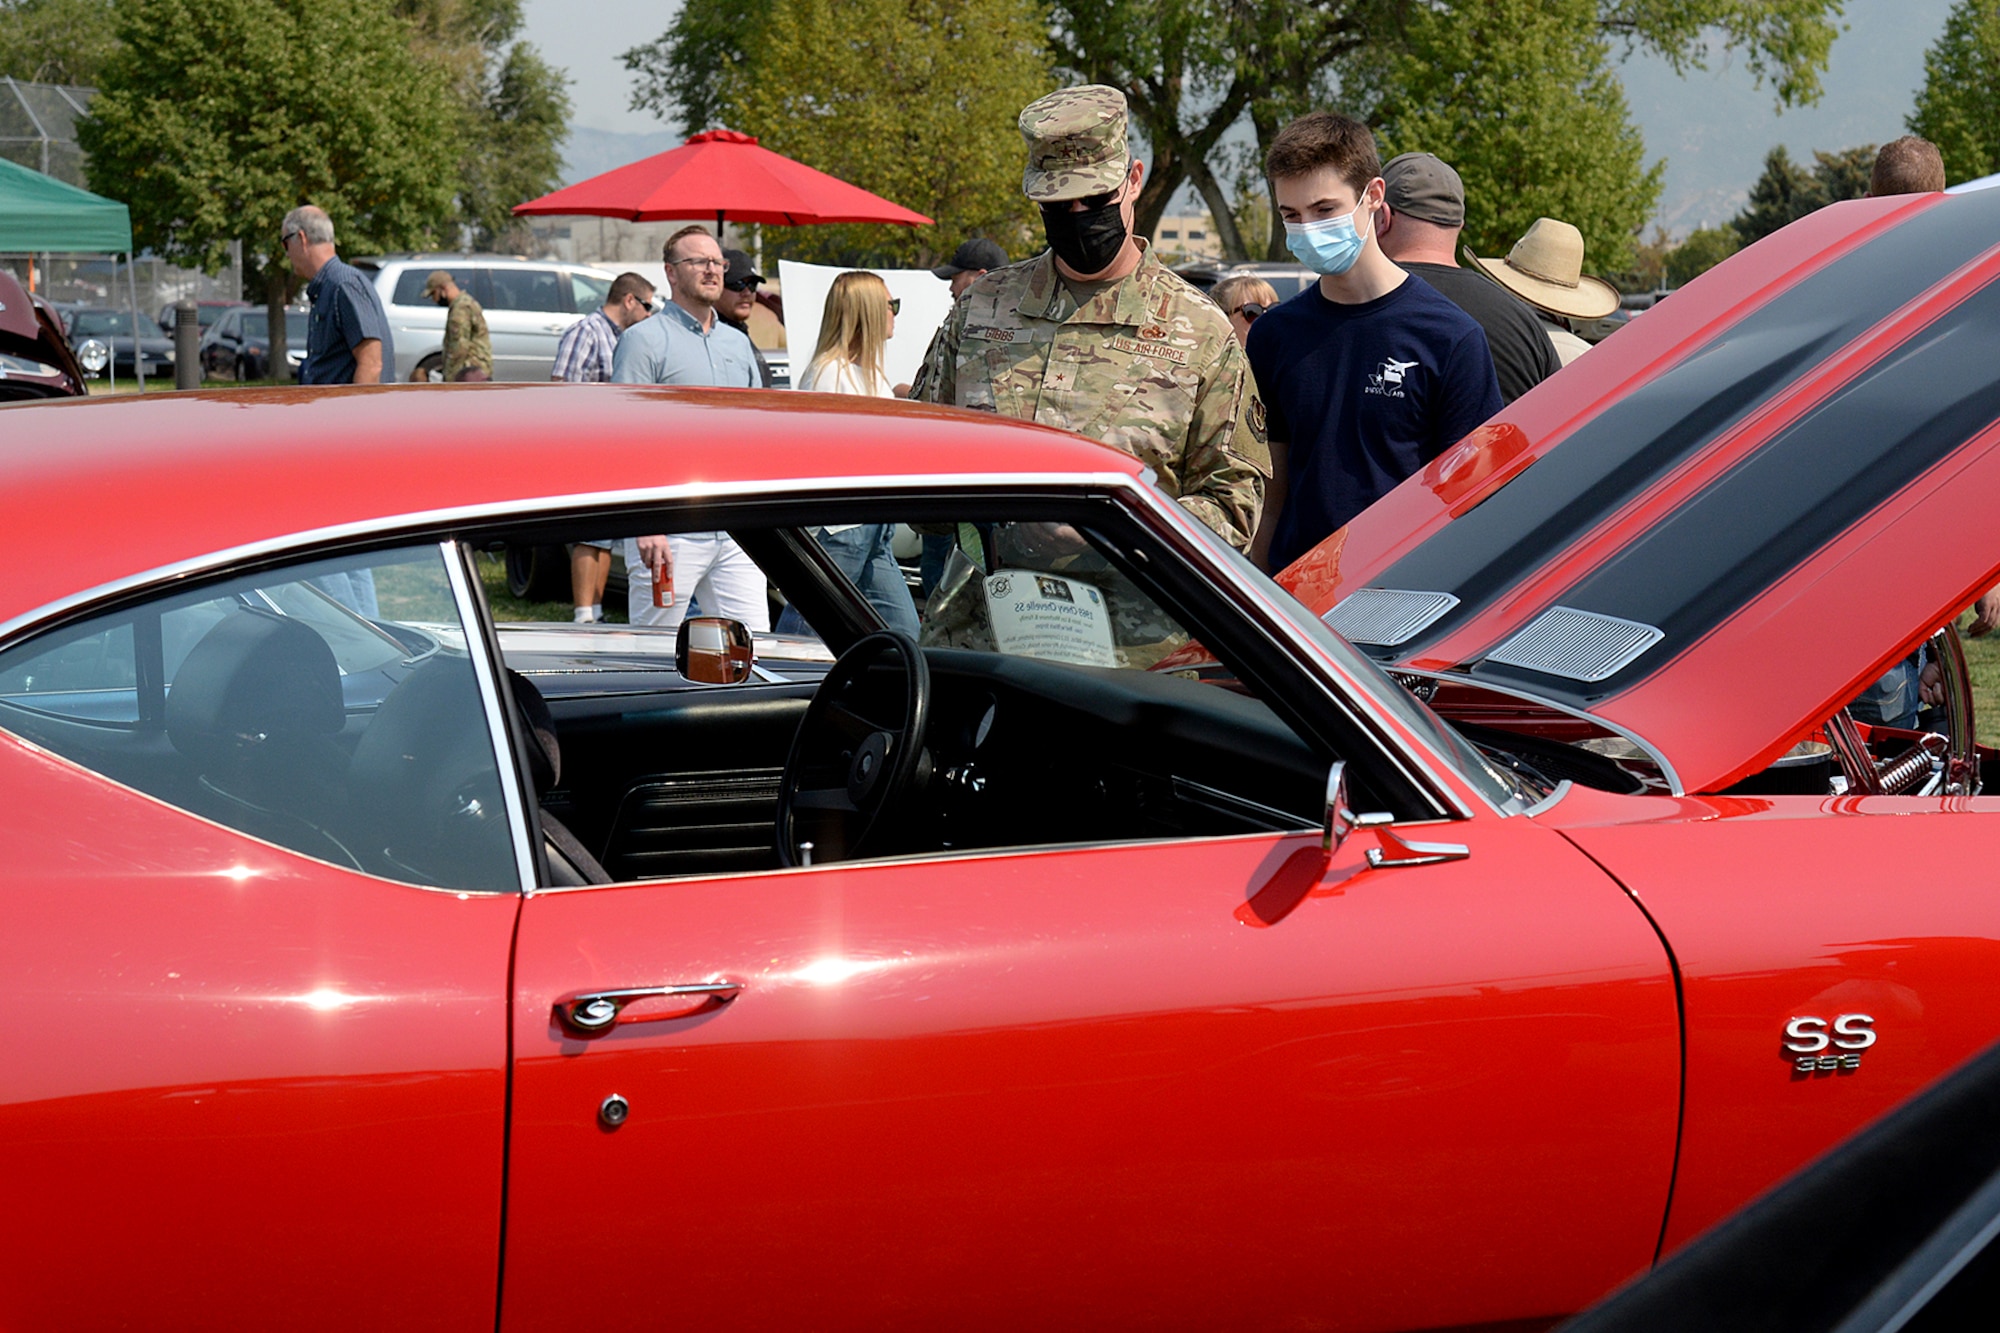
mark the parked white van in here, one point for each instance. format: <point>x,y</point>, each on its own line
<point>529,303</point>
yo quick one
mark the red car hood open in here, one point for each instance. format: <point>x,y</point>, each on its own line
<point>1720,524</point>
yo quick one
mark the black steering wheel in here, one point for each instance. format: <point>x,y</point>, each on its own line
<point>858,750</point>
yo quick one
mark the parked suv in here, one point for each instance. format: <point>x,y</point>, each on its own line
<point>528,304</point>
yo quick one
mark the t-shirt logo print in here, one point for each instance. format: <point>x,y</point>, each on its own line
<point>1388,381</point>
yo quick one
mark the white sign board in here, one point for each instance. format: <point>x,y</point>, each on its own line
<point>926,301</point>
<point>1049,617</point>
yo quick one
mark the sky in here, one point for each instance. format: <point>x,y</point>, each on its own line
<point>1713,128</point>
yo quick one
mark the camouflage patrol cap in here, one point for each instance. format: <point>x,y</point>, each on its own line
<point>1076,143</point>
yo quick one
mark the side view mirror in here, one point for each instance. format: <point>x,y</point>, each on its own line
<point>1340,820</point>
<point>711,650</point>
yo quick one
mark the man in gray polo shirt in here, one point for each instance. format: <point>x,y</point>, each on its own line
<point>687,344</point>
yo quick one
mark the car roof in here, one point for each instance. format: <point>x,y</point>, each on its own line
<point>124,486</point>
<point>1762,494</point>
<point>483,260</point>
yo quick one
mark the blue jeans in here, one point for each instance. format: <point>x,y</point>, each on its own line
<point>1891,701</point>
<point>352,588</point>
<point>862,553</point>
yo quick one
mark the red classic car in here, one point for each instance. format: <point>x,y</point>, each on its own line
<point>1132,949</point>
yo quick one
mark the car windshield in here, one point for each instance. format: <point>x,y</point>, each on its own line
<point>258,323</point>
<point>1413,714</point>
<point>104,324</point>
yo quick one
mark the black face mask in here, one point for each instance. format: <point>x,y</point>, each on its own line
<point>1087,241</point>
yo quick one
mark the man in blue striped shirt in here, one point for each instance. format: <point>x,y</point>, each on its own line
<point>585,356</point>
<point>689,344</point>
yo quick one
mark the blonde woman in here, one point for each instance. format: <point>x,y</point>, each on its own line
<point>859,319</point>
<point>1243,298</point>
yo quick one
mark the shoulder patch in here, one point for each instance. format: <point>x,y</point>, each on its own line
<point>1258,420</point>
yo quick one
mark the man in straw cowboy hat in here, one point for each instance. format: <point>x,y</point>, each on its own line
<point>1545,269</point>
<point>1366,374</point>
<point>1097,336</point>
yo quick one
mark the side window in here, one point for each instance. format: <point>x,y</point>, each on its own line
<point>410,283</point>
<point>587,292</point>
<point>328,708</point>
<point>537,289</point>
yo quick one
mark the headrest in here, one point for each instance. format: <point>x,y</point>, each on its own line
<point>545,755</point>
<point>253,678</point>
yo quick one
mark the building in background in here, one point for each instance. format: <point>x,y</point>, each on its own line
<point>1186,237</point>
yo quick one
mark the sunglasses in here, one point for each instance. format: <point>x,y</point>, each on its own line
<point>285,238</point>
<point>1249,310</point>
<point>895,305</point>
<point>743,284</point>
<point>1091,203</point>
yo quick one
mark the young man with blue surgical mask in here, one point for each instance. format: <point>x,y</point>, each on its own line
<point>1366,375</point>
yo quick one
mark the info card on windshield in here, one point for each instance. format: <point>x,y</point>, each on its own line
<point>1050,617</point>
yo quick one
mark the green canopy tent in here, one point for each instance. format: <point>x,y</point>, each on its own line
<point>39,212</point>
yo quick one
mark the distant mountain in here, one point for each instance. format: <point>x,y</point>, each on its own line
<point>1715,127</point>
<point>589,152</point>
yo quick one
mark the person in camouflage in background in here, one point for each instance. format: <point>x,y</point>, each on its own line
<point>1097,336</point>
<point>468,348</point>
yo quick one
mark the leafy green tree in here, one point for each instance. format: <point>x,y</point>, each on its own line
<point>1519,96</point>
<point>512,108</point>
<point>1959,107</point>
<point>695,72</point>
<point>1704,248</point>
<point>216,117</point>
<point>915,100</point>
<point>56,41</point>
<point>1787,191</point>
<point>1193,68</point>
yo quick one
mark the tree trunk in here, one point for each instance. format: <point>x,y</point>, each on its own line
<point>277,285</point>
<point>1164,175</point>
<point>1265,122</point>
<point>1218,207</point>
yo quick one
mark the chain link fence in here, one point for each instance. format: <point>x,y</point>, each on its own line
<point>38,131</point>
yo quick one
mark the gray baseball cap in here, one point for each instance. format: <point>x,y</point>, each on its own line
<point>975,256</point>
<point>1424,187</point>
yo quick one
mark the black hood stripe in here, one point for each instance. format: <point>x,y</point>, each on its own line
<point>1627,449</point>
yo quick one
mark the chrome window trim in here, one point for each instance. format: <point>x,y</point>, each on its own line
<point>371,531</point>
<point>518,824</point>
<point>1166,519</point>
<point>1416,759</point>
<point>1657,755</point>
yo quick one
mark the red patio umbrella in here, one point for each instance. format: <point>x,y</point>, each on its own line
<point>725,173</point>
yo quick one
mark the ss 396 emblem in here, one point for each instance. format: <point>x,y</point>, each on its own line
<point>1818,1048</point>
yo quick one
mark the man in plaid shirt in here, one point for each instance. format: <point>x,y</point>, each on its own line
<point>584,357</point>
<point>584,354</point>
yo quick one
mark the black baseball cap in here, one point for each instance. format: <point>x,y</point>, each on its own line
<point>975,255</point>
<point>741,272</point>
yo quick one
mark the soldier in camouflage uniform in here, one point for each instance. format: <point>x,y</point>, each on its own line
<point>1124,352</point>
<point>468,348</point>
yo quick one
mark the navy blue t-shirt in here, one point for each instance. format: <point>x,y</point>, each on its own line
<point>1363,396</point>
<point>345,311</point>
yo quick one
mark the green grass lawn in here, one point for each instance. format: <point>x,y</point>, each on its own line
<point>506,607</point>
<point>1982,658</point>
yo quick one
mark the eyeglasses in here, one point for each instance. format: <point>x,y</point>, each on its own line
<point>895,305</point>
<point>1250,310</point>
<point>705,265</point>
<point>1091,202</point>
<point>285,238</point>
<point>742,284</point>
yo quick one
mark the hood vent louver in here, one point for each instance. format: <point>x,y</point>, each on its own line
<point>1387,616</point>
<point>1577,645</point>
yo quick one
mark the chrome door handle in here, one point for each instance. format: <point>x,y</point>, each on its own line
<point>554,328</point>
<point>595,1013</point>
<point>1397,851</point>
